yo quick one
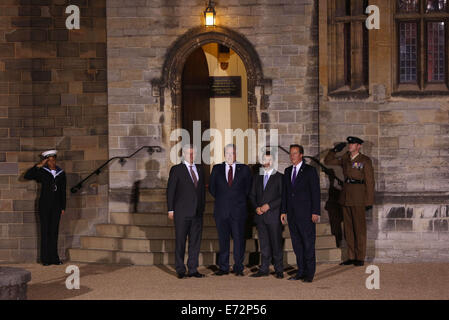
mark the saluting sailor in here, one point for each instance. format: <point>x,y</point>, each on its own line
<point>357,194</point>
<point>52,203</point>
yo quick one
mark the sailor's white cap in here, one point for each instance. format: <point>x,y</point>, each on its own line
<point>49,153</point>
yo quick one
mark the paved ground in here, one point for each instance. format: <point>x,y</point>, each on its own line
<point>397,281</point>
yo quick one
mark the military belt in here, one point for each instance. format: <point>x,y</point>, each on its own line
<point>354,181</point>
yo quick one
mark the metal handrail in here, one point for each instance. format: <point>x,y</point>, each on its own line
<point>150,150</point>
<point>325,169</point>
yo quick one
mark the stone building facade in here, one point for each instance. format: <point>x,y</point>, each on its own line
<point>53,94</point>
<point>114,85</point>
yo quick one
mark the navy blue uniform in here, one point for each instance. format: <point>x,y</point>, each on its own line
<point>51,202</point>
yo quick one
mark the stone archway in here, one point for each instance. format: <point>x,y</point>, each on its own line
<point>168,86</point>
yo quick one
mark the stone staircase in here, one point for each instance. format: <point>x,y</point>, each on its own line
<point>148,238</point>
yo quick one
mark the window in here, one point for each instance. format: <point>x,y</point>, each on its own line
<point>348,48</point>
<point>422,51</point>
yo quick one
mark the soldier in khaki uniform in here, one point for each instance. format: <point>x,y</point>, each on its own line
<point>357,194</point>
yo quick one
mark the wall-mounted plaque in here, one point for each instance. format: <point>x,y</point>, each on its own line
<point>225,87</point>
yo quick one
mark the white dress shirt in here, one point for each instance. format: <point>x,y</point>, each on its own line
<point>298,166</point>
<point>227,170</point>
<point>188,165</point>
<point>269,172</point>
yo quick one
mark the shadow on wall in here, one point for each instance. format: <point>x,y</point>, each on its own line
<point>151,180</point>
<point>35,216</point>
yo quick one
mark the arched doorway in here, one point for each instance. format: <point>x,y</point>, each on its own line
<point>169,87</point>
<point>215,95</point>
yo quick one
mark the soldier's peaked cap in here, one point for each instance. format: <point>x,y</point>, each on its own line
<point>354,140</point>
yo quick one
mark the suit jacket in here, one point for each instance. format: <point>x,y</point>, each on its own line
<point>230,201</point>
<point>361,168</point>
<point>302,199</point>
<point>49,198</point>
<point>182,196</point>
<point>271,195</point>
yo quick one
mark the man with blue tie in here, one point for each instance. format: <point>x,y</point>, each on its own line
<point>186,194</point>
<point>266,198</point>
<point>230,184</point>
<point>301,207</point>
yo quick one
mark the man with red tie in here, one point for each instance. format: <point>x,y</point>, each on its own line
<point>301,206</point>
<point>230,184</point>
<point>186,201</point>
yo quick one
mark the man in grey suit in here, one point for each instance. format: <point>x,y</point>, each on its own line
<point>266,198</point>
<point>186,194</point>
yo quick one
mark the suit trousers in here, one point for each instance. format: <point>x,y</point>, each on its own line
<point>190,228</point>
<point>355,231</point>
<point>303,234</point>
<point>227,227</point>
<point>49,220</point>
<point>270,241</point>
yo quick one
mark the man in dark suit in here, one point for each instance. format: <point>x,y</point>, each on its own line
<point>230,184</point>
<point>52,202</point>
<point>301,206</point>
<point>266,198</point>
<point>186,201</point>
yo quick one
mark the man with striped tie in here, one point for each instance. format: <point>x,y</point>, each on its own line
<point>266,198</point>
<point>186,194</point>
<point>301,206</point>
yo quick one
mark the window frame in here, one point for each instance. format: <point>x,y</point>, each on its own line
<point>423,86</point>
<point>336,22</point>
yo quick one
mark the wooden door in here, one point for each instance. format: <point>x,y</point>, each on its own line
<point>195,97</point>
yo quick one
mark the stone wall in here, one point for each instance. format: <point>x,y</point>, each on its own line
<point>407,137</point>
<point>52,95</point>
<point>140,35</point>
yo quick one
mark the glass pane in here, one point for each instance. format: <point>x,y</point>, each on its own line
<point>408,5</point>
<point>435,51</point>
<point>436,5</point>
<point>408,47</point>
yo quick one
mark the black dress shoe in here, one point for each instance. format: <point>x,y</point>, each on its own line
<point>45,264</point>
<point>259,274</point>
<point>196,275</point>
<point>279,275</point>
<point>359,263</point>
<point>239,273</point>
<point>58,263</point>
<point>181,275</point>
<point>221,272</point>
<point>347,262</point>
<point>307,280</point>
<point>297,277</point>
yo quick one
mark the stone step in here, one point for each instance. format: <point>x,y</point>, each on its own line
<point>205,258</point>
<point>154,219</point>
<point>161,206</point>
<point>168,232</point>
<point>161,219</point>
<point>155,245</point>
<point>159,195</point>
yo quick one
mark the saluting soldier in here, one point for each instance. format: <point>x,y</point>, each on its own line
<point>357,194</point>
<point>52,203</point>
